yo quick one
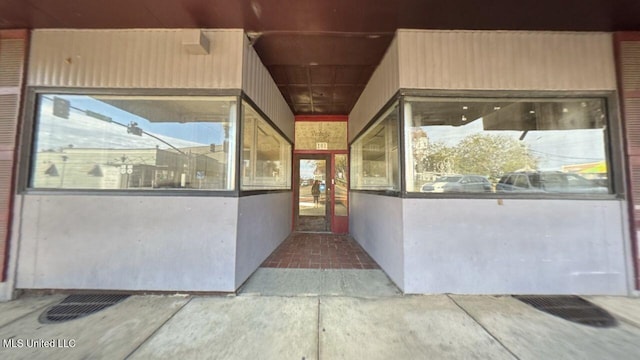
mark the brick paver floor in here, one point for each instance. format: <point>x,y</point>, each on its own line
<point>320,251</point>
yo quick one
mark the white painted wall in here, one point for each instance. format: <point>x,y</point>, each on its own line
<point>127,243</point>
<point>149,242</point>
<point>384,83</point>
<point>505,60</point>
<point>487,60</point>
<point>134,58</point>
<point>375,222</point>
<point>264,221</point>
<point>260,87</point>
<point>476,246</point>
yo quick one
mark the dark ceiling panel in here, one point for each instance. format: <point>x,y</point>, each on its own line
<point>346,94</point>
<point>298,75</point>
<point>284,90</point>
<point>200,13</point>
<point>354,74</point>
<point>19,14</point>
<point>336,16</point>
<point>322,74</point>
<point>302,109</point>
<point>322,94</point>
<point>510,15</point>
<point>279,74</point>
<point>313,49</point>
<point>340,109</point>
<point>99,14</point>
<point>300,94</point>
<point>326,109</point>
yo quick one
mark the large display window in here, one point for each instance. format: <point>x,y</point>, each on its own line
<point>117,142</point>
<point>375,156</point>
<point>266,154</point>
<point>506,145</point>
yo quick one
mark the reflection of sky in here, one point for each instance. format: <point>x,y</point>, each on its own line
<point>201,132</point>
<point>307,168</point>
<point>82,131</point>
<point>552,148</point>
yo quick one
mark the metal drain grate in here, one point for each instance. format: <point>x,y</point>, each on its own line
<point>77,306</point>
<point>572,308</point>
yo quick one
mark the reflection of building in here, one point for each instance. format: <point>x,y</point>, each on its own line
<point>78,168</point>
<point>596,171</point>
<point>599,167</point>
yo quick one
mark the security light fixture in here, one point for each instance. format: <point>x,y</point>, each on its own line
<point>195,42</point>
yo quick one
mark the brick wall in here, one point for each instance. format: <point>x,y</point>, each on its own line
<point>627,46</point>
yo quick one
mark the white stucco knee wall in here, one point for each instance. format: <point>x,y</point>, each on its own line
<point>477,246</point>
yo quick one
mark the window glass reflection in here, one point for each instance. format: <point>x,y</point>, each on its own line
<point>134,142</point>
<point>341,185</point>
<point>266,155</point>
<point>313,192</point>
<point>374,155</point>
<point>506,145</point>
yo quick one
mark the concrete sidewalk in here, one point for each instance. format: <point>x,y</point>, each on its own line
<point>257,326</point>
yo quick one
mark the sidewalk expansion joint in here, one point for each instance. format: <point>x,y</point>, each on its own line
<point>158,329</point>
<point>319,330</point>
<point>626,320</point>
<point>40,308</point>
<point>484,328</point>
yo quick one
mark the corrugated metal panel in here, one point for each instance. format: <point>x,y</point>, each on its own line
<point>506,60</point>
<point>630,60</point>
<point>6,177</point>
<point>8,120</point>
<point>634,165</point>
<point>258,84</point>
<point>134,59</point>
<point>11,62</point>
<point>384,83</point>
<point>632,121</point>
<point>12,56</point>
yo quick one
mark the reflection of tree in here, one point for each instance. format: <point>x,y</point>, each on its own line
<point>420,149</point>
<point>341,167</point>
<point>483,154</point>
<point>439,158</point>
<point>320,168</point>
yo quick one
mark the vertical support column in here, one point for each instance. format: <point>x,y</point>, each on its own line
<point>230,144</point>
<point>627,47</point>
<point>409,170</point>
<point>13,45</point>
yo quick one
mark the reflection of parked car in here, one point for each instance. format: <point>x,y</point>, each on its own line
<point>548,181</point>
<point>458,183</point>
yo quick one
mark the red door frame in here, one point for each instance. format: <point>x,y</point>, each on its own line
<point>340,224</point>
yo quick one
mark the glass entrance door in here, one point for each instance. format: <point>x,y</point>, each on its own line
<point>340,182</point>
<point>313,193</point>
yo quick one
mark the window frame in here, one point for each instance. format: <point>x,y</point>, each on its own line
<point>394,101</point>
<point>27,136</point>
<point>614,140</point>
<point>239,148</point>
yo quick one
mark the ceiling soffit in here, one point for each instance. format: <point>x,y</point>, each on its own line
<point>321,53</point>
